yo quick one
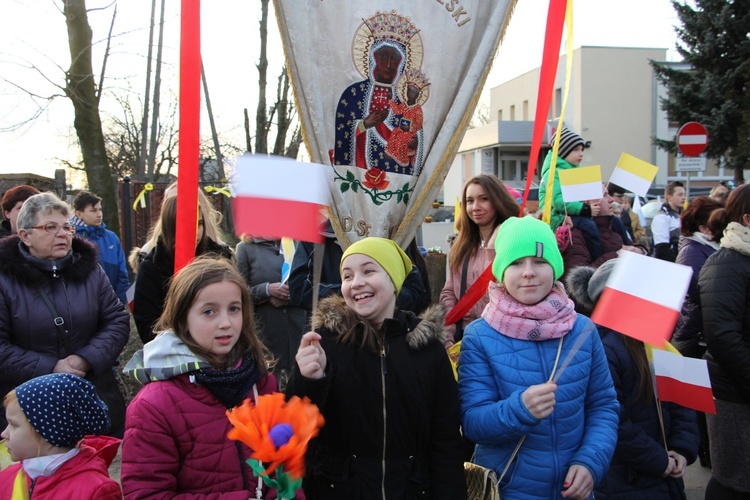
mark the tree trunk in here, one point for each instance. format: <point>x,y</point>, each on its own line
<point>81,90</point>
<point>143,153</point>
<point>227,220</point>
<point>248,143</point>
<point>283,112</point>
<point>152,171</point>
<point>261,129</point>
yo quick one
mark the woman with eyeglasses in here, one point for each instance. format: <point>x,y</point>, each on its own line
<point>157,268</point>
<point>58,312</point>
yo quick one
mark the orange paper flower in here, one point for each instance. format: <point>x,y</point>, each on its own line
<point>277,431</point>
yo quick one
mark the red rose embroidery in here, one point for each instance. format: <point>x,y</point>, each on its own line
<point>375,178</point>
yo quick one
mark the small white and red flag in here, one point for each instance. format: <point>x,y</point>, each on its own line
<point>643,297</point>
<point>279,197</point>
<point>683,380</point>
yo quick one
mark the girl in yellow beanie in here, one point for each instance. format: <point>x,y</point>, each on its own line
<point>382,380</point>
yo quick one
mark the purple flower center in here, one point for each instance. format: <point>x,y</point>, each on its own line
<point>280,434</point>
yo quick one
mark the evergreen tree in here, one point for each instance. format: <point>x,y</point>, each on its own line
<point>715,91</point>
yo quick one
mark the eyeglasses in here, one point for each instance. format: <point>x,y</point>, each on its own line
<point>53,228</point>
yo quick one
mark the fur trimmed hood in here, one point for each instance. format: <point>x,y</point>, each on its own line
<point>18,264</point>
<point>585,285</point>
<point>333,314</point>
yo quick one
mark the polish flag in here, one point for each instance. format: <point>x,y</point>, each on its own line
<point>277,197</point>
<point>129,296</point>
<point>643,297</point>
<point>581,184</point>
<point>683,381</point>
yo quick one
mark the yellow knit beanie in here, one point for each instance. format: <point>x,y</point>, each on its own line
<point>386,253</point>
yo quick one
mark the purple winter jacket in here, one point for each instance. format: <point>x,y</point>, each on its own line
<point>97,324</point>
<point>692,253</point>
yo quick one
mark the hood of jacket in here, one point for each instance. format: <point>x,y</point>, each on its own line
<point>334,315</point>
<point>163,358</point>
<point>93,232</point>
<point>18,263</point>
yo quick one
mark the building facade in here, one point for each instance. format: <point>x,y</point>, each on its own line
<point>613,103</point>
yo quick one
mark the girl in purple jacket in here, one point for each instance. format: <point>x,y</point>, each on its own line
<point>207,359</point>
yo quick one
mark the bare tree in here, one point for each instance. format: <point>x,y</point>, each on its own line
<point>123,136</point>
<point>143,151</point>
<point>282,110</point>
<point>81,89</point>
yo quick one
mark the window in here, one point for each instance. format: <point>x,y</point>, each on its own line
<point>525,111</point>
<point>512,112</point>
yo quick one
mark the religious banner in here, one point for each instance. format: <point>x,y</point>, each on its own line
<point>385,91</point>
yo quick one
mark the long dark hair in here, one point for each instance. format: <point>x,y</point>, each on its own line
<point>183,290</point>
<point>637,352</point>
<point>469,240</point>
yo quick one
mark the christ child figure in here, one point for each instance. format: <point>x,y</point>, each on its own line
<point>402,143</point>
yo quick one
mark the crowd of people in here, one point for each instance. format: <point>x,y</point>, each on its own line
<point>554,404</point>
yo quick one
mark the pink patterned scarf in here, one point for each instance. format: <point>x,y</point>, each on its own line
<point>549,319</point>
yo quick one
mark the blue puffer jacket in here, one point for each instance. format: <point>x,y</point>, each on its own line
<point>111,256</point>
<point>494,370</point>
<point>640,458</point>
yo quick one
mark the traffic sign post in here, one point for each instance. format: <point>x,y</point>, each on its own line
<point>692,139</point>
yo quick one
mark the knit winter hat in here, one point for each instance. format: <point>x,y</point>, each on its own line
<point>386,253</point>
<point>568,142</point>
<point>525,237</point>
<point>62,408</point>
<point>586,284</point>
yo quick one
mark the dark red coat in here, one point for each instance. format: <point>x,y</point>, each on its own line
<point>176,445</point>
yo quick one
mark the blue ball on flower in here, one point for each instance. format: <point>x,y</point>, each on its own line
<point>280,434</point>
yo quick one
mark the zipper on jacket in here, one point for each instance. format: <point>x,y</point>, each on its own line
<point>31,487</point>
<point>385,424</point>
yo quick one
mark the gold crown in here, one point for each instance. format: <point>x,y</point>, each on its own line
<point>391,26</point>
<point>415,77</point>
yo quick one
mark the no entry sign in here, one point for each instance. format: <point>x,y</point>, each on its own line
<point>692,139</point>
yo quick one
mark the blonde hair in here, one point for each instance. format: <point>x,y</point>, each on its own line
<point>11,399</point>
<point>211,225</point>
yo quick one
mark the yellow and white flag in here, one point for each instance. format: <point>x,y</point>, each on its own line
<point>385,91</point>
<point>633,174</point>
<point>581,184</point>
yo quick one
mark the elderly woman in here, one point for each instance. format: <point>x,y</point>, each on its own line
<point>58,312</point>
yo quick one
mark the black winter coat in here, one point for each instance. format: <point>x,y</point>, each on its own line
<point>97,324</point>
<point>391,420</point>
<point>724,284</point>
<point>152,284</point>
<point>640,459</point>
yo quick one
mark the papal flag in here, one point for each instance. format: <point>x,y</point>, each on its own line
<point>633,174</point>
<point>385,90</point>
<point>581,184</point>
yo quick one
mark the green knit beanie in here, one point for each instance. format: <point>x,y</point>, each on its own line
<point>525,237</point>
<point>385,252</point>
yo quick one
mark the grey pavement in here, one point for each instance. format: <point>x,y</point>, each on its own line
<point>696,478</point>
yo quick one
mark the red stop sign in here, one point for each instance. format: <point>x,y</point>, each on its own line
<point>692,139</point>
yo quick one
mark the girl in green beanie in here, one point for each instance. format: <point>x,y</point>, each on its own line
<point>544,439</point>
<point>384,384</point>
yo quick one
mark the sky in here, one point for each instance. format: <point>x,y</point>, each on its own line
<point>35,60</point>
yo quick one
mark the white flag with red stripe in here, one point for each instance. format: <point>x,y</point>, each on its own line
<point>683,380</point>
<point>643,297</point>
<point>279,197</point>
